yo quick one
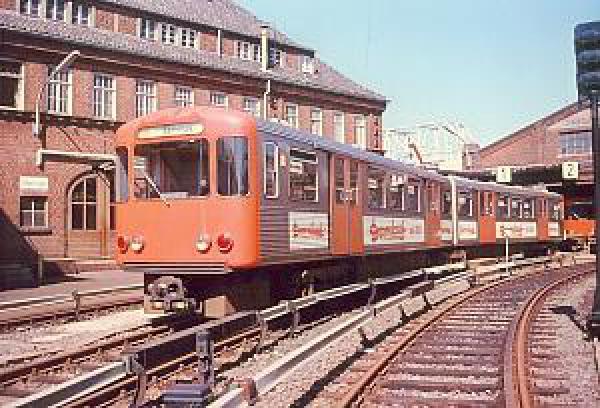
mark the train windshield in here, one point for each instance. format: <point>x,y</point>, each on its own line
<point>171,170</point>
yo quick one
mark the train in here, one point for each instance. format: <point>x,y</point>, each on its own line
<point>223,211</point>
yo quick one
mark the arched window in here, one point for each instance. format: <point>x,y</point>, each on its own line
<point>84,205</point>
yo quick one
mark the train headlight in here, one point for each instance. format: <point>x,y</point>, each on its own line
<point>203,244</point>
<point>122,243</point>
<point>137,243</point>
<point>225,242</point>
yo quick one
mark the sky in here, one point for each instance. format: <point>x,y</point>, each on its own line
<point>494,66</point>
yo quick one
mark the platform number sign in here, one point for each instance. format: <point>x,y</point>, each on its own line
<point>570,170</point>
<point>504,174</point>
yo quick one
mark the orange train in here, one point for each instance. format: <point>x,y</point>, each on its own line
<point>215,206</point>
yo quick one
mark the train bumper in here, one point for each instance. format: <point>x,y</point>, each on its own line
<point>167,294</point>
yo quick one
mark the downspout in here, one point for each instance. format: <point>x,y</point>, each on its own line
<point>266,100</point>
<point>219,42</point>
<point>454,211</point>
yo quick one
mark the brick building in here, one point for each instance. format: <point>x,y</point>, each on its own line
<point>539,148</point>
<point>137,57</point>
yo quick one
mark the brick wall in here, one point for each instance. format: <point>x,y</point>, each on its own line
<point>105,19</point>
<point>125,98</point>
<point>228,46</point>
<point>208,41</point>
<point>127,24</point>
<point>83,93</point>
<point>8,4</point>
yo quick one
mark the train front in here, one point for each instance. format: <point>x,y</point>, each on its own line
<point>188,209</point>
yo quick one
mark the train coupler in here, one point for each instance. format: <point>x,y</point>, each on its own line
<point>167,294</point>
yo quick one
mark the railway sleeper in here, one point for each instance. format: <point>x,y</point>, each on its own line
<point>432,401</point>
<point>440,386</point>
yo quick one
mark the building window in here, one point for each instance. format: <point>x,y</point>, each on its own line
<point>248,51</point>
<point>232,165</point>
<point>316,122</point>
<point>376,179</point>
<point>81,14</point>
<point>167,34</point>
<point>34,212</point>
<point>395,192</point>
<point>60,92</point>
<point>104,96</point>
<point>55,9</point>
<point>218,99</point>
<point>276,57</point>
<point>465,203</point>
<point>308,65</point>
<point>575,143</point>
<point>11,84</point>
<point>271,170</point>
<point>184,96</point>
<point>145,97</point>
<point>188,38</point>
<point>30,7</point>
<point>84,205</point>
<point>147,29</point>
<point>303,176</point>
<point>360,131</point>
<point>291,115</point>
<point>338,127</point>
<point>252,106</point>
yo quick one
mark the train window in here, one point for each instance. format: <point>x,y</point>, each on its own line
<point>232,165</point>
<point>395,192</point>
<point>446,202</point>
<point>353,182</point>
<point>339,180</point>
<point>529,208</point>
<point>171,170</point>
<point>303,176</point>
<point>555,214</point>
<point>271,164</point>
<point>376,179</point>
<point>122,174</point>
<point>503,210</point>
<point>516,207</point>
<point>413,196</point>
<point>465,203</point>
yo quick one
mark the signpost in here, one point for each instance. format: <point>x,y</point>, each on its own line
<point>587,51</point>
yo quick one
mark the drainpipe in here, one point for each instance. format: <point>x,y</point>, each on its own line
<point>220,42</point>
<point>266,100</point>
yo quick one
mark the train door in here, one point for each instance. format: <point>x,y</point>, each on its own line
<point>487,217</point>
<point>432,214</point>
<point>346,204</point>
<point>540,213</point>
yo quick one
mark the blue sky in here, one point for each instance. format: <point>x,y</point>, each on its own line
<point>493,65</point>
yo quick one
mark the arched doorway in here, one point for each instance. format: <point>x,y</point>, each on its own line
<point>90,222</point>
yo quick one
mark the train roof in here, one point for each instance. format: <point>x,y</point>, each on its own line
<point>329,145</point>
<point>502,188</point>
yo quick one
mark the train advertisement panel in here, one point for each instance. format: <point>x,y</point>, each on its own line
<point>446,230</point>
<point>391,231</point>
<point>553,229</point>
<point>516,229</point>
<point>467,230</point>
<point>308,230</point>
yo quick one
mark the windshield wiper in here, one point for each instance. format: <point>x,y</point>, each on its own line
<point>155,188</point>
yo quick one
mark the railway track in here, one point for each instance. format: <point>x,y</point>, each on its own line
<point>462,354</point>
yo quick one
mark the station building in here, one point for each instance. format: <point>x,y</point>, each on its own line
<point>136,57</point>
<point>536,153</point>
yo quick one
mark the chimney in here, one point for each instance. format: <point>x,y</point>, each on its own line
<point>264,46</point>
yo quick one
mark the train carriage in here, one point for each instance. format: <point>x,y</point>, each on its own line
<point>224,210</point>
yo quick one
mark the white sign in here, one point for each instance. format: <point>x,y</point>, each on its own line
<point>516,229</point>
<point>37,183</point>
<point>389,231</point>
<point>570,170</point>
<point>467,230</point>
<point>181,129</point>
<point>504,174</point>
<point>446,230</point>
<point>308,230</point>
<point>553,229</point>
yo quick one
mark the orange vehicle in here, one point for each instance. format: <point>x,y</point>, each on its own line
<point>223,212</point>
<point>579,224</point>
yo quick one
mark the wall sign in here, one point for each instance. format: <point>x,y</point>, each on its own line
<point>308,230</point>
<point>389,231</point>
<point>570,170</point>
<point>181,129</point>
<point>503,174</point>
<point>35,183</point>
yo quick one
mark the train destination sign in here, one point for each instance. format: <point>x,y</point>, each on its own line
<point>180,129</point>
